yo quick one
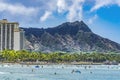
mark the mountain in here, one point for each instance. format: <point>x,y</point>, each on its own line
<point>68,37</point>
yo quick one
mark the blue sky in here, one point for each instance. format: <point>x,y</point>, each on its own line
<point>103,17</point>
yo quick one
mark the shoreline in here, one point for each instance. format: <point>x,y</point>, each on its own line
<point>50,63</point>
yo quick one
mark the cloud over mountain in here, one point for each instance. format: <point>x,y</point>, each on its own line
<point>41,13</point>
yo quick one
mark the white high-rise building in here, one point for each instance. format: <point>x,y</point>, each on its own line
<point>11,36</point>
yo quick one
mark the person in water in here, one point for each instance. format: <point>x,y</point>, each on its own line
<point>73,71</point>
<point>55,73</point>
<point>32,70</point>
<point>76,71</point>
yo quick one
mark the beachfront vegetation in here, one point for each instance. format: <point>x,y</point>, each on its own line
<point>56,57</point>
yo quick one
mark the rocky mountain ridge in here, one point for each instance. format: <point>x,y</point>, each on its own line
<point>68,37</point>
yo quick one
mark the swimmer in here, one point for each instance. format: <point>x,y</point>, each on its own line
<point>73,71</point>
<point>55,73</point>
<point>32,70</point>
<point>90,72</point>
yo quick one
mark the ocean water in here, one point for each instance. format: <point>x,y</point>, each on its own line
<point>59,72</point>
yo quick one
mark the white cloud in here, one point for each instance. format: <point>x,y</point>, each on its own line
<point>92,19</point>
<point>61,4</point>
<point>103,3</point>
<point>75,10</point>
<point>48,7</point>
<point>45,16</point>
<point>17,9</point>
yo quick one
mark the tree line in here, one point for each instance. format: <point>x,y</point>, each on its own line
<point>56,57</point>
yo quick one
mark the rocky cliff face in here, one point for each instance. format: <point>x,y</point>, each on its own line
<point>68,37</point>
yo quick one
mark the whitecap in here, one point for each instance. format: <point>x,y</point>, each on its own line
<point>2,73</point>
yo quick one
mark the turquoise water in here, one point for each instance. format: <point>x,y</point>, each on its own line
<point>60,72</point>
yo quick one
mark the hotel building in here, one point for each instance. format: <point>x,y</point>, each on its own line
<point>11,36</point>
